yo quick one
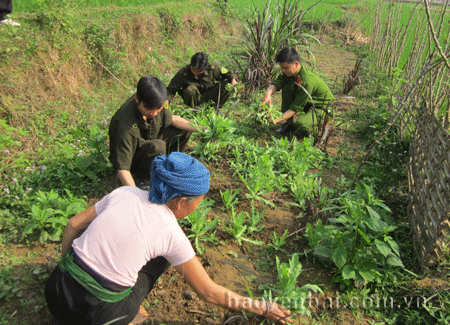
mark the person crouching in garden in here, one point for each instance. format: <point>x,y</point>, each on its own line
<point>201,81</point>
<point>304,95</point>
<point>115,251</point>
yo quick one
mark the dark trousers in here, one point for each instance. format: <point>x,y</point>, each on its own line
<point>5,8</point>
<point>72,304</point>
<point>193,97</point>
<point>169,140</point>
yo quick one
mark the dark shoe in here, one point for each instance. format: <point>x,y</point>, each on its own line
<point>143,186</point>
<point>141,182</point>
<point>284,128</point>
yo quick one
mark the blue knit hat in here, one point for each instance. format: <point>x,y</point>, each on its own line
<point>177,175</point>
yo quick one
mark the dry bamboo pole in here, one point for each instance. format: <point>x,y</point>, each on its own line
<point>384,39</point>
<point>417,50</point>
<point>397,31</point>
<point>440,98</point>
<point>442,17</point>
<point>406,33</point>
<point>447,116</point>
<point>438,86</point>
<point>433,34</point>
<point>376,28</point>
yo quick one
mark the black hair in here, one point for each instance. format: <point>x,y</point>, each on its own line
<point>152,92</point>
<point>199,61</point>
<point>288,55</point>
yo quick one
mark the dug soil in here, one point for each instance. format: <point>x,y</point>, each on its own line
<point>239,268</point>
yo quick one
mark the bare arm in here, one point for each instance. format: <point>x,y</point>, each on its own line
<point>125,178</point>
<point>208,290</point>
<point>182,124</point>
<point>75,227</point>
<point>286,115</point>
<point>267,98</point>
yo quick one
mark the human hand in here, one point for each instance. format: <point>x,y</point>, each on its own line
<point>278,313</point>
<point>277,120</point>
<point>267,98</point>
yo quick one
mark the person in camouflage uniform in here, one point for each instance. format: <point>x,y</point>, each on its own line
<point>201,81</point>
<point>144,128</point>
<point>301,91</point>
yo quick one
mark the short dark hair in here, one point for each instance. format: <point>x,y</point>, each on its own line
<point>199,61</point>
<point>288,54</point>
<point>152,92</point>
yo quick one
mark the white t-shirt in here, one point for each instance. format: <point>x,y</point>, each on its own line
<point>128,231</point>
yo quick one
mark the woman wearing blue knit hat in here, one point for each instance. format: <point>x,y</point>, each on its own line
<point>115,251</point>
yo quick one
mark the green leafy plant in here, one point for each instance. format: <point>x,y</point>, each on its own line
<point>258,176</point>
<point>96,162</point>
<point>8,135</point>
<point>238,228</point>
<point>55,17</point>
<point>229,198</point>
<point>200,225</point>
<point>286,290</point>
<point>302,188</point>
<point>357,241</point>
<point>276,241</point>
<point>257,185</point>
<point>215,138</point>
<point>49,215</point>
<point>254,220</point>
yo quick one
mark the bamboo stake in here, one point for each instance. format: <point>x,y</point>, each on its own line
<point>436,42</point>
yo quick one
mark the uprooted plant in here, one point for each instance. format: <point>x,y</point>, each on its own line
<point>264,115</point>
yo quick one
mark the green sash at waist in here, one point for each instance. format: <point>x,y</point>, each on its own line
<point>82,277</point>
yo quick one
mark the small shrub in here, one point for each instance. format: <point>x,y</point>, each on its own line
<point>170,22</point>
<point>101,45</point>
<point>49,215</point>
<point>357,241</point>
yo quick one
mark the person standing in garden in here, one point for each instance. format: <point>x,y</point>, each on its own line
<point>142,129</point>
<point>201,81</point>
<point>115,251</point>
<point>5,10</point>
<point>304,96</point>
